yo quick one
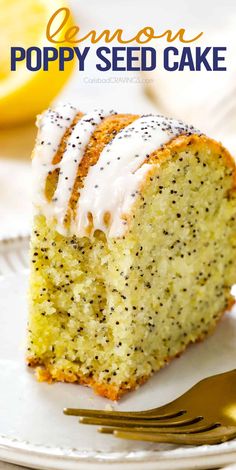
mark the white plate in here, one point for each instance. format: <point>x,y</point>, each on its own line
<point>33,429</point>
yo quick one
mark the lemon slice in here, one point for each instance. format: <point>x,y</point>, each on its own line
<point>23,93</point>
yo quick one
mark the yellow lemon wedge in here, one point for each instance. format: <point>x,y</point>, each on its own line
<point>25,93</point>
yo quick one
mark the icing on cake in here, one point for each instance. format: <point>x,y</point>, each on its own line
<point>112,184</point>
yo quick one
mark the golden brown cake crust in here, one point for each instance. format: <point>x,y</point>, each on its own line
<point>104,133</point>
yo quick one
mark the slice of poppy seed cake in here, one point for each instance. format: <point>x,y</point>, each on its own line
<point>133,249</point>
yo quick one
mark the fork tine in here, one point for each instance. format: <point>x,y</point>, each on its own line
<point>130,422</point>
<point>187,420</point>
<point>176,430</point>
<point>216,436</point>
<point>146,414</point>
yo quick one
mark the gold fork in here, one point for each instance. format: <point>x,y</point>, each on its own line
<point>205,414</point>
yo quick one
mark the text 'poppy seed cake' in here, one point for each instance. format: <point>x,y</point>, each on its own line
<point>133,246</point>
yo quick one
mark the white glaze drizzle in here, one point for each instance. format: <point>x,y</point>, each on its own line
<point>71,159</point>
<point>52,125</point>
<point>113,182</point>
